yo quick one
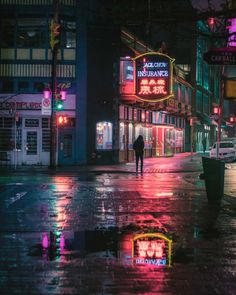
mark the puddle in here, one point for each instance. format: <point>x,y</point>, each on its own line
<point>127,245</point>
<point>184,255</point>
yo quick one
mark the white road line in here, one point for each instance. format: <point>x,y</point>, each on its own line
<point>17,197</point>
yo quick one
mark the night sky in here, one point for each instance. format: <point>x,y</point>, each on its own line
<point>203,4</point>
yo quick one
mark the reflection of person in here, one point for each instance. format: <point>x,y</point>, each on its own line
<point>138,146</point>
<point>204,144</point>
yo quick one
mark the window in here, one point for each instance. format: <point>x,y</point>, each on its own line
<point>131,140</point>
<point>23,86</point>
<point>122,136</point>
<point>104,136</point>
<point>7,137</point>
<point>39,87</point>
<point>45,135</point>
<point>121,112</point>
<point>226,145</point>
<point>7,32</point>
<point>31,32</point>
<point>68,34</point>
<point>7,86</point>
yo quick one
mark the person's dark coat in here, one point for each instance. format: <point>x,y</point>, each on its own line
<point>138,145</point>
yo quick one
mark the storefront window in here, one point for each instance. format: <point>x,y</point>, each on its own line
<point>148,137</point>
<point>169,141</point>
<point>179,138</point>
<point>122,135</point>
<point>104,136</point>
<point>121,112</point>
<point>131,139</point>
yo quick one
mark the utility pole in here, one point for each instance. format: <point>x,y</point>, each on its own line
<point>54,47</point>
<point>221,105</point>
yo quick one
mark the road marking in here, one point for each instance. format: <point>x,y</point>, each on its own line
<point>17,197</point>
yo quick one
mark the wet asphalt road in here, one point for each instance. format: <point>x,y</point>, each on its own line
<point>71,232</point>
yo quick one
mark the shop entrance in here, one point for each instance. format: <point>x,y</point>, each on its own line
<point>66,147</point>
<point>31,147</point>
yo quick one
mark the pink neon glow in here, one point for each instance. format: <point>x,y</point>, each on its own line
<point>63,94</point>
<point>45,241</point>
<point>232,29</point>
<point>62,242</point>
<point>152,86</point>
<point>211,22</point>
<point>216,110</point>
<point>151,249</point>
<point>47,94</point>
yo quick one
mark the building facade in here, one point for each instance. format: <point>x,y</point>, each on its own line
<point>94,73</point>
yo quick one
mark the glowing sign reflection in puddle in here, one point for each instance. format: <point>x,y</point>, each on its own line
<point>152,249</point>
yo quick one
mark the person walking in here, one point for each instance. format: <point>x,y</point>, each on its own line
<point>204,144</point>
<point>138,147</point>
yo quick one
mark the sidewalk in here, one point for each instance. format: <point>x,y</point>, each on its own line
<point>178,163</point>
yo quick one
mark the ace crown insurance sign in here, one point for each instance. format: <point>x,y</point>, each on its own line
<point>153,76</point>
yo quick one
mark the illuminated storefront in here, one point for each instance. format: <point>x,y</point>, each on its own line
<point>25,131</point>
<point>151,105</point>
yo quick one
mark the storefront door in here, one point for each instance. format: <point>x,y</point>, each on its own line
<point>31,147</point>
<point>66,154</point>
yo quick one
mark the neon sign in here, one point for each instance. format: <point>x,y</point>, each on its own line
<point>152,248</point>
<point>153,77</point>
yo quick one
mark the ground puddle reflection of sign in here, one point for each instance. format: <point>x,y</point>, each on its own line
<point>152,249</point>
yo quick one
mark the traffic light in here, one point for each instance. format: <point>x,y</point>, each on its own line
<point>54,34</point>
<point>59,105</point>
<point>60,98</point>
<point>62,120</point>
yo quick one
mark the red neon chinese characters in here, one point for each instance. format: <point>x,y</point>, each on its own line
<point>145,90</point>
<point>151,249</point>
<point>159,90</point>
<point>152,86</point>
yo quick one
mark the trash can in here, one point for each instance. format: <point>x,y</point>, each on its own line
<point>214,174</point>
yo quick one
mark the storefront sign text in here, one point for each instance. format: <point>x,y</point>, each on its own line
<point>153,77</point>
<point>152,248</point>
<point>20,105</point>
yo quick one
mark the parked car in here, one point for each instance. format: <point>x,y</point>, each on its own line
<point>227,151</point>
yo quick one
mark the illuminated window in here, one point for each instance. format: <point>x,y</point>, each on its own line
<point>131,139</point>
<point>104,136</point>
<point>122,135</point>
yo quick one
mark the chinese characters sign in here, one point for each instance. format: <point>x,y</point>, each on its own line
<point>154,249</point>
<point>153,77</point>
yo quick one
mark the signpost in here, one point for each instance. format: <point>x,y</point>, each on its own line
<point>221,56</point>
<point>46,106</point>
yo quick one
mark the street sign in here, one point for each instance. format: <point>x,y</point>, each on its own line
<point>221,56</point>
<point>46,106</point>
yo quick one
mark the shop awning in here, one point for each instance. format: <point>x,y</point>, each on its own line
<point>204,118</point>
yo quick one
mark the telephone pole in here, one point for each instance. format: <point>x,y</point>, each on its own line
<point>54,26</point>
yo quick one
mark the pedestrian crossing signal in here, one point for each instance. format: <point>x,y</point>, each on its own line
<point>62,120</point>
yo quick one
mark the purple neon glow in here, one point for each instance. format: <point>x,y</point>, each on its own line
<point>63,94</point>
<point>232,29</point>
<point>45,241</point>
<point>62,242</point>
